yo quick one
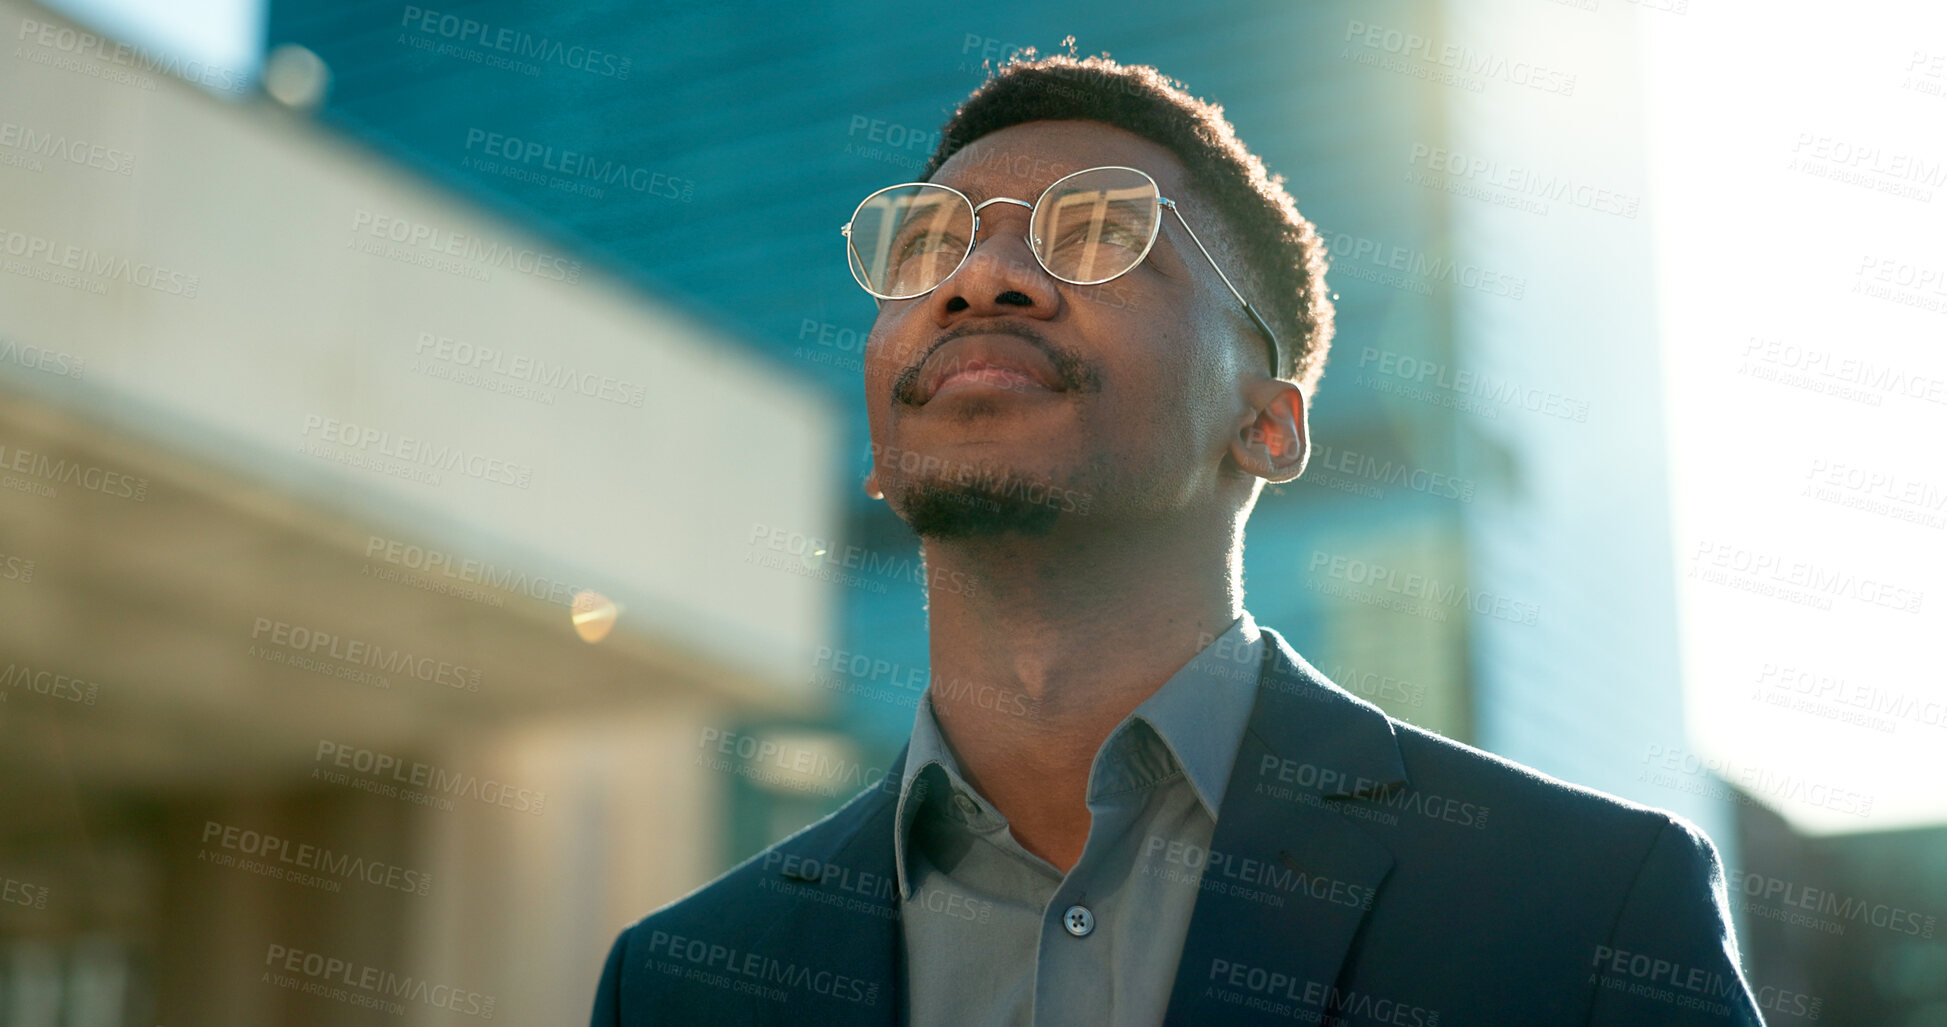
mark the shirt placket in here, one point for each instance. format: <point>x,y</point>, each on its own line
<point>1075,963</point>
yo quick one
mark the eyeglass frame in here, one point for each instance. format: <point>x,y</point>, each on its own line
<point>1155,232</point>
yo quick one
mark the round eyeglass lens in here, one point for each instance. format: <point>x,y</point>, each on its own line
<point>1096,224</point>
<point>908,239</point>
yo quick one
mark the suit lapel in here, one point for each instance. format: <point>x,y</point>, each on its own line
<point>863,937</point>
<point>1307,743</point>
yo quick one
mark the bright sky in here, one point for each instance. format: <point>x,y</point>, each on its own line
<point>224,33</point>
<point>1800,184</point>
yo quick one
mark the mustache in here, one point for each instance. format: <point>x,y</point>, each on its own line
<point>1071,373</point>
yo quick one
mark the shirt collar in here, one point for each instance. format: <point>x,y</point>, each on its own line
<point>929,765</point>
<point>1201,711</point>
<point>1199,714</point>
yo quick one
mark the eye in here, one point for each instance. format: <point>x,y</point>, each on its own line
<point>1114,233</point>
<point>922,244</point>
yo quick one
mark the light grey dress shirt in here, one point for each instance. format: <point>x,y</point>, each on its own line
<point>997,935</point>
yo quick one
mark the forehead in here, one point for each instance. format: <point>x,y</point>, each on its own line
<point>1022,160</point>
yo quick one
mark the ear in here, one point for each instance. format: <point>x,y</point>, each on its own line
<point>872,484</point>
<point>1275,441</point>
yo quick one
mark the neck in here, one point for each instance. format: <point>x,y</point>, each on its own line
<point>1041,646</point>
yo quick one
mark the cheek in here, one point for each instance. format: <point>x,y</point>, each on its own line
<point>1195,401</point>
<point>887,351</point>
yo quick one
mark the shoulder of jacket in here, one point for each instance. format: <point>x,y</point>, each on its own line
<point>1436,762</point>
<point>727,899</point>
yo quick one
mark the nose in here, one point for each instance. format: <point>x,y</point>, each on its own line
<point>1000,277</point>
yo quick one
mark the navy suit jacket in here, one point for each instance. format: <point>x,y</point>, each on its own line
<point>1363,872</point>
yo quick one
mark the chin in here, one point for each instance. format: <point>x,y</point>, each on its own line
<point>947,511</point>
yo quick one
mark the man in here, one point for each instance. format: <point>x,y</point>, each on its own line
<point>1100,326</point>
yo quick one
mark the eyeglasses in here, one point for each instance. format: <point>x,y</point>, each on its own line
<point>1087,228</point>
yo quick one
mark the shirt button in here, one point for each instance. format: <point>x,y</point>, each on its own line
<point>1079,921</point>
<point>966,806</point>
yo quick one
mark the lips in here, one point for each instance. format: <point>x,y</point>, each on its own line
<point>1002,360</point>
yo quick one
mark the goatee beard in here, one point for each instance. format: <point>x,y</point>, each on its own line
<point>948,512</point>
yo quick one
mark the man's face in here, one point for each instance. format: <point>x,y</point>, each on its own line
<point>1074,403</point>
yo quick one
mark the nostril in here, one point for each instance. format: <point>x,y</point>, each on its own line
<point>956,304</point>
<point>1014,298</point>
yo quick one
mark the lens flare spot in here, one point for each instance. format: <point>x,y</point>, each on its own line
<point>594,615</point>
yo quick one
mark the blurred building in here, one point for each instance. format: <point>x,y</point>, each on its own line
<point>307,465</point>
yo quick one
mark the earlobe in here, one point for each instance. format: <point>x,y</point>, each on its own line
<point>872,484</point>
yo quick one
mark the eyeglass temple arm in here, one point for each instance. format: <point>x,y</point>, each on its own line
<point>1271,337</point>
<point>846,231</point>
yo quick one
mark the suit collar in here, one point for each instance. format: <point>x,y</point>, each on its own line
<point>1337,744</point>
<point>848,850</point>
